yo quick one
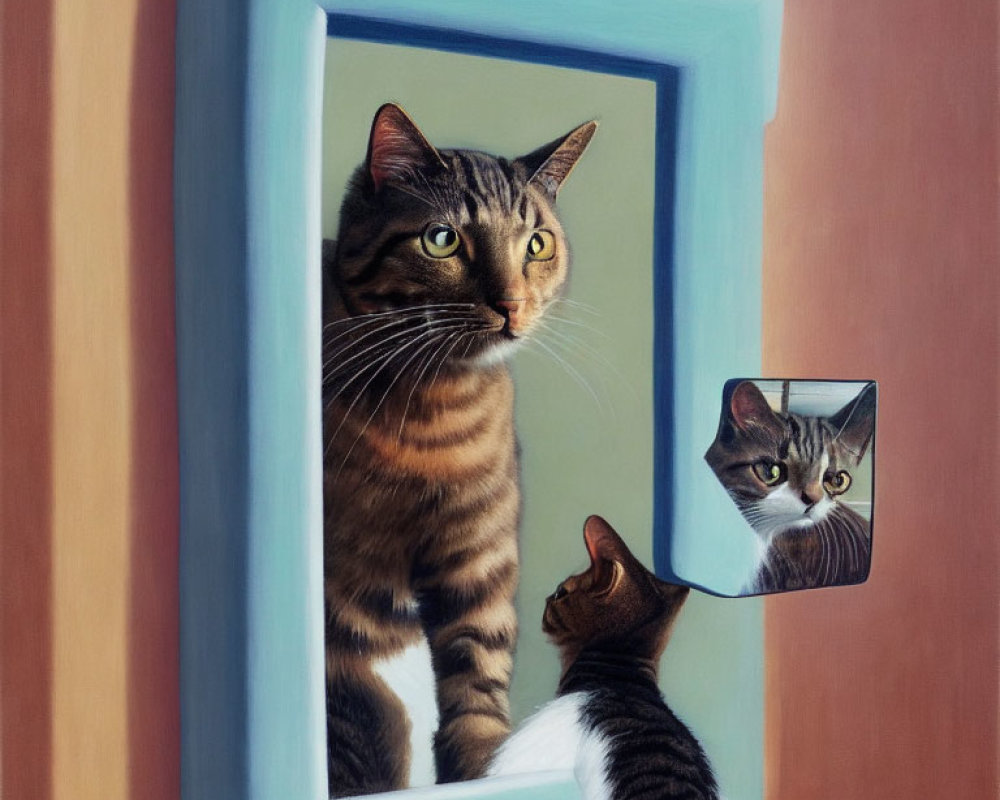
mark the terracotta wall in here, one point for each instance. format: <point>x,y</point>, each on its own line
<point>88,507</point>
<point>881,261</point>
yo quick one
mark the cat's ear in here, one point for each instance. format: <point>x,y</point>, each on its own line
<point>748,407</point>
<point>550,165</point>
<point>397,149</point>
<point>603,541</point>
<point>856,423</point>
<point>608,554</point>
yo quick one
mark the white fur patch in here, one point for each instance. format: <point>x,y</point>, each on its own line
<point>784,510</point>
<point>553,738</point>
<point>411,677</point>
<point>500,351</point>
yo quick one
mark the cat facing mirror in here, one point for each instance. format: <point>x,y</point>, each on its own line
<point>445,261</point>
<point>789,473</point>
<point>609,723</point>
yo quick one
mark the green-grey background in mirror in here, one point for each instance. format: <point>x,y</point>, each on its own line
<point>585,448</point>
<point>585,425</point>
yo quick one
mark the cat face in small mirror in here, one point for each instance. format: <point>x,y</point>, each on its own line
<point>466,240</point>
<point>617,603</point>
<point>788,473</point>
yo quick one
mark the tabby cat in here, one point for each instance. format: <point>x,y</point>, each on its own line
<point>445,261</point>
<point>786,471</point>
<point>609,723</point>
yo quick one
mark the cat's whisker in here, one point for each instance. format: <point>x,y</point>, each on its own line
<point>415,311</point>
<point>571,371</point>
<point>399,317</point>
<point>361,319</point>
<point>458,339</point>
<point>586,349</point>
<point>577,305</point>
<point>381,325</point>
<point>372,367</point>
<point>382,399</point>
<point>590,350</point>
<point>550,317</point>
<point>423,326</point>
<point>375,353</point>
<point>468,346</point>
<point>580,335</point>
<point>371,364</point>
<point>575,323</point>
<point>445,327</point>
<point>575,347</point>
<point>419,333</point>
<point>416,382</point>
<point>386,360</point>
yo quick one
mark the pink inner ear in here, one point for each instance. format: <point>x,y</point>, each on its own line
<point>600,538</point>
<point>397,148</point>
<point>391,152</point>
<point>749,406</point>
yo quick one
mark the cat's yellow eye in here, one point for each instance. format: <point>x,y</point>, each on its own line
<point>541,246</point>
<point>770,473</point>
<point>837,482</point>
<point>440,240</point>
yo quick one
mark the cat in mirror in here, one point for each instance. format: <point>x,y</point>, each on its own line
<point>609,723</point>
<point>444,263</point>
<point>788,473</point>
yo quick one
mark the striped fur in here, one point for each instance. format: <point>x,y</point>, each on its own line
<point>421,492</point>
<point>831,552</point>
<point>611,624</point>
<point>808,537</point>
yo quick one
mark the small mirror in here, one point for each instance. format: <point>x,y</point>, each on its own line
<point>797,459</point>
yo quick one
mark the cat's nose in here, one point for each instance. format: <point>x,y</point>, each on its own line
<point>512,309</point>
<point>812,494</point>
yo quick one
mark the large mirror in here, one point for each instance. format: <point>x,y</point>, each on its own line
<point>583,381</point>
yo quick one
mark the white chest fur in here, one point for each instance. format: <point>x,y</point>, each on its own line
<point>554,738</point>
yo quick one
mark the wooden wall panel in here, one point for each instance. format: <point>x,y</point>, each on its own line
<point>25,399</point>
<point>88,597</point>
<point>881,261</point>
<point>152,689</point>
<point>92,353</point>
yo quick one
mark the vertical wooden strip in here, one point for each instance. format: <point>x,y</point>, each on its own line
<point>881,256</point>
<point>152,692</point>
<point>25,398</point>
<point>92,392</point>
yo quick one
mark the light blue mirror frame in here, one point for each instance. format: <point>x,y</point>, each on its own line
<point>247,216</point>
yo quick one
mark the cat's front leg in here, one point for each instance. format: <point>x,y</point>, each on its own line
<point>471,626</point>
<point>368,742</point>
<point>368,747</point>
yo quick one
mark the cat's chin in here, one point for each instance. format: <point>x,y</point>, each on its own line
<point>495,353</point>
<point>809,519</point>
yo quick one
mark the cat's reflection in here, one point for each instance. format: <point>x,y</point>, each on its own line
<point>609,724</point>
<point>787,472</point>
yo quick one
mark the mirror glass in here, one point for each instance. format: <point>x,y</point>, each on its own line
<point>583,385</point>
<point>796,458</point>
